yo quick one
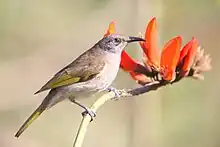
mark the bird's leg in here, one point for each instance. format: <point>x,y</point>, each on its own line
<point>87,110</point>
<point>113,89</point>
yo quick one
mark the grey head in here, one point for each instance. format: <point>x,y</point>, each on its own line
<point>115,43</point>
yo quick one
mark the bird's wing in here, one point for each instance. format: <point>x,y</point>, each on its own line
<point>76,72</point>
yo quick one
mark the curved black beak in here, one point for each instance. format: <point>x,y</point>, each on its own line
<point>133,39</point>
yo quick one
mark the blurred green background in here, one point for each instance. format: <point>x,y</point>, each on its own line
<point>37,38</point>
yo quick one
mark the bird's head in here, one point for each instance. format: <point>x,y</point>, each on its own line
<point>115,43</point>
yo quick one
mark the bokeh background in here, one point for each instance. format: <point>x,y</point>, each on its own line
<point>37,38</point>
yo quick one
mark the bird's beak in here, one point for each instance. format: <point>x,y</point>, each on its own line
<point>133,39</point>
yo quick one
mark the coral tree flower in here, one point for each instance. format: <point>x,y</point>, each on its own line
<point>163,63</point>
<point>170,65</point>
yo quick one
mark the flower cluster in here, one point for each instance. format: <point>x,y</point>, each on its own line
<point>169,65</point>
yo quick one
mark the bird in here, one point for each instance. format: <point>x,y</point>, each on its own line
<point>93,71</point>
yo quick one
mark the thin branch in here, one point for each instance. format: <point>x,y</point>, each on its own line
<point>106,97</point>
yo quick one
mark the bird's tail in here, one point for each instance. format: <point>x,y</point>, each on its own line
<point>28,122</point>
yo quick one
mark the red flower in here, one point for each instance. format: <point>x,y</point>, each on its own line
<point>165,63</point>
<point>171,64</point>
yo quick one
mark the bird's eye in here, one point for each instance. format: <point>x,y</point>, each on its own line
<point>117,40</point>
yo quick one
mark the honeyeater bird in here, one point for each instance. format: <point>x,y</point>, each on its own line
<point>91,72</point>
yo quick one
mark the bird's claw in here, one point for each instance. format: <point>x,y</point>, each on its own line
<point>116,92</point>
<point>91,113</point>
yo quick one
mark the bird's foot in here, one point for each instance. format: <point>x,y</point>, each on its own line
<point>87,110</point>
<point>113,89</point>
<point>91,113</point>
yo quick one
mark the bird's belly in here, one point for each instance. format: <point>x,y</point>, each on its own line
<point>99,83</point>
<point>84,89</point>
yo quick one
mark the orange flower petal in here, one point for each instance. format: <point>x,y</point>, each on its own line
<point>188,61</point>
<point>127,63</point>
<point>150,47</point>
<point>169,58</point>
<point>185,50</point>
<point>111,28</point>
<point>140,78</point>
<point>130,65</point>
